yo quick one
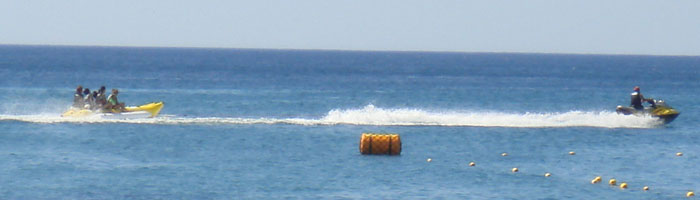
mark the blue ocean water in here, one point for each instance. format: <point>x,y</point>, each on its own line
<point>273,124</point>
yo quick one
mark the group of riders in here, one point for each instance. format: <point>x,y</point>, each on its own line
<point>96,101</point>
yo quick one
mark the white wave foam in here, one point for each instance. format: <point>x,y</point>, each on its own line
<point>370,115</point>
<point>55,118</point>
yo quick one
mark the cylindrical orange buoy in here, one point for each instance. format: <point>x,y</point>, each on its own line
<point>612,182</point>
<point>380,144</point>
<point>690,194</point>
<point>623,185</point>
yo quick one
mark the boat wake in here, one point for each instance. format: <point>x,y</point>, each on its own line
<point>373,116</point>
<point>370,115</point>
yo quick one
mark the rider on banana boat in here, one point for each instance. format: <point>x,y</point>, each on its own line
<point>88,99</point>
<point>113,103</point>
<point>78,101</point>
<point>100,98</point>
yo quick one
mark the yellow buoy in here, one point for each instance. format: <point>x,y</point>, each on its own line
<point>429,160</point>
<point>515,169</point>
<point>504,154</point>
<point>645,188</point>
<point>380,144</point>
<point>612,181</point>
<point>690,194</point>
<point>572,153</point>
<point>623,185</point>
<point>679,154</point>
<point>547,174</point>
<point>596,180</point>
<point>472,164</point>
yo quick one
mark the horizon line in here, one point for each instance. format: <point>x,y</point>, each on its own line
<point>346,50</point>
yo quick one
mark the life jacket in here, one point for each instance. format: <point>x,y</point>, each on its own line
<point>78,101</point>
<point>89,101</point>
<point>636,101</point>
<point>112,99</point>
<point>100,99</point>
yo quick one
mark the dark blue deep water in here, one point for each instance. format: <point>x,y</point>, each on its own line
<point>277,124</point>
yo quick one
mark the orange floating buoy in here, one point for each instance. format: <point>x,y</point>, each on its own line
<point>515,169</point>
<point>472,164</point>
<point>380,144</point>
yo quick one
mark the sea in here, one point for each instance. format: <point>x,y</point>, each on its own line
<point>286,124</point>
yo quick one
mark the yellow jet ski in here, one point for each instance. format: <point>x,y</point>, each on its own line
<point>132,112</point>
<point>658,109</point>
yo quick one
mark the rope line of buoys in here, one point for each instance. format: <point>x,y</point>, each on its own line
<point>613,182</point>
<point>390,144</point>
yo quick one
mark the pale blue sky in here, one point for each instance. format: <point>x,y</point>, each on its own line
<point>556,26</point>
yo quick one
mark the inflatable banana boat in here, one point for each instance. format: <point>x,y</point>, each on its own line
<point>132,112</point>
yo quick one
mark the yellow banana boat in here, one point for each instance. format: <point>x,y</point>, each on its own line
<point>131,112</point>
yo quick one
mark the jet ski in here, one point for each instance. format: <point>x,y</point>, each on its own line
<point>148,110</point>
<point>658,109</point>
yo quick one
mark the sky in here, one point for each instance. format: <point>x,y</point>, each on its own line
<point>534,26</point>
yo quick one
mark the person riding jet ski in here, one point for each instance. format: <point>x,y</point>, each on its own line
<point>658,109</point>
<point>637,99</point>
